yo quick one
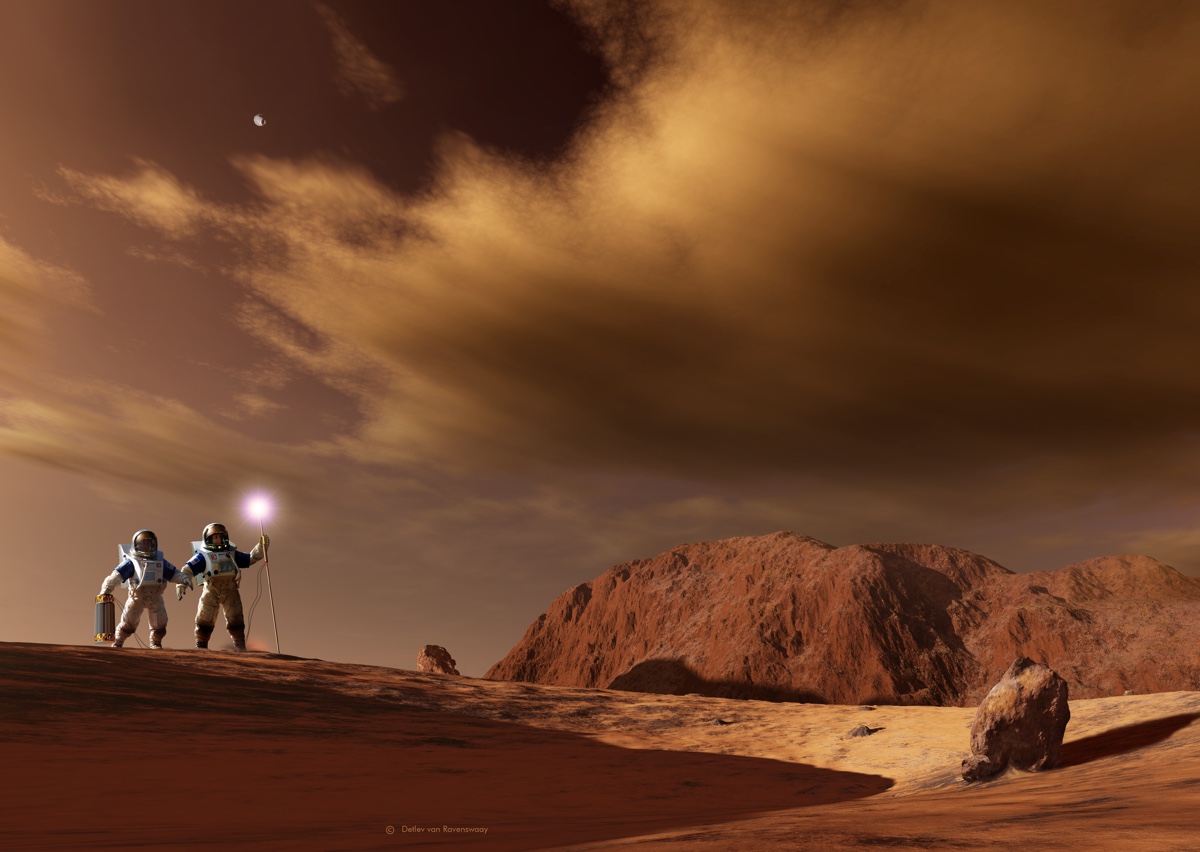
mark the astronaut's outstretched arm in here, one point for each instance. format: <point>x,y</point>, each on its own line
<point>110,582</point>
<point>186,580</point>
<point>260,550</point>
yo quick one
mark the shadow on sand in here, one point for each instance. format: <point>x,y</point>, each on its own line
<point>308,755</point>
<point>1124,739</point>
<point>675,677</point>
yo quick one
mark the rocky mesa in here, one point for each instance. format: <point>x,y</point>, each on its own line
<point>786,617</point>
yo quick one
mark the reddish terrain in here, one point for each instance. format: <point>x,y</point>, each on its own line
<point>191,750</point>
<point>787,617</point>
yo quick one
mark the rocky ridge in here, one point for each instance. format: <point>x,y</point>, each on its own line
<point>787,617</point>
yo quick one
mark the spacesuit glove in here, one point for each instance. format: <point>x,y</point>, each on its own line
<point>259,550</point>
<point>180,590</point>
<point>189,578</point>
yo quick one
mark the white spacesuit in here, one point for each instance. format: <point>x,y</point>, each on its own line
<point>145,572</point>
<point>217,564</point>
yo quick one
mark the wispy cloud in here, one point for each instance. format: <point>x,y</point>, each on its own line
<point>173,257</point>
<point>30,289</point>
<point>111,431</point>
<point>359,72</point>
<point>152,197</point>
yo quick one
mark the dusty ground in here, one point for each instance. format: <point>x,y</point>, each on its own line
<point>215,750</point>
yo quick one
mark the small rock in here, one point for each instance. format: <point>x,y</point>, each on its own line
<point>977,767</point>
<point>721,722</point>
<point>434,659</point>
<point>1129,692</point>
<point>861,731</point>
<point>1020,722</point>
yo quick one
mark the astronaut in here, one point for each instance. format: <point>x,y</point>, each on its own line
<point>145,572</point>
<point>217,564</point>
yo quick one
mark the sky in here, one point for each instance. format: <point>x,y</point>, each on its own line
<point>503,294</point>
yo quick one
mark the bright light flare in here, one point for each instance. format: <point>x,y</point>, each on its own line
<point>258,507</point>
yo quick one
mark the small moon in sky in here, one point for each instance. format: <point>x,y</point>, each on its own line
<point>259,120</point>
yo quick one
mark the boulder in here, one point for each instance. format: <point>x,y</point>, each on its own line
<point>1020,723</point>
<point>434,659</point>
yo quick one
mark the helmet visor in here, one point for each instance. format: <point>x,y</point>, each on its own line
<point>145,544</point>
<point>216,537</point>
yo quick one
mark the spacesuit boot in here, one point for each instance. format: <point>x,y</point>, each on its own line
<point>156,637</point>
<point>122,635</point>
<point>203,631</point>
<point>238,632</point>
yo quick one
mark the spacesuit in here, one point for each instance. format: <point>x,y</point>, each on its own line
<point>217,564</point>
<point>145,572</point>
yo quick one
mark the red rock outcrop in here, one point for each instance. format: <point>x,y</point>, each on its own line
<point>787,617</point>
<point>434,659</point>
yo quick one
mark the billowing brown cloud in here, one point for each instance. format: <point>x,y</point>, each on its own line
<point>901,240</point>
<point>920,257</point>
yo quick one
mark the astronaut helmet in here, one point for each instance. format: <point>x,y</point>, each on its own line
<point>145,544</point>
<point>216,538</point>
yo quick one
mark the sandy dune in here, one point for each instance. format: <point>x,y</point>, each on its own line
<point>195,750</point>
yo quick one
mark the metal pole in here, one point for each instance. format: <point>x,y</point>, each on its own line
<point>267,566</point>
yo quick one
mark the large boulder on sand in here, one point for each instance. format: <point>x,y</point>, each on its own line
<point>434,659</point>
<point>1020,723</point>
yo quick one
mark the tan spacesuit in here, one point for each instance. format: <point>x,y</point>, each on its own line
<point>145,572</point>
<point>217,565</point>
